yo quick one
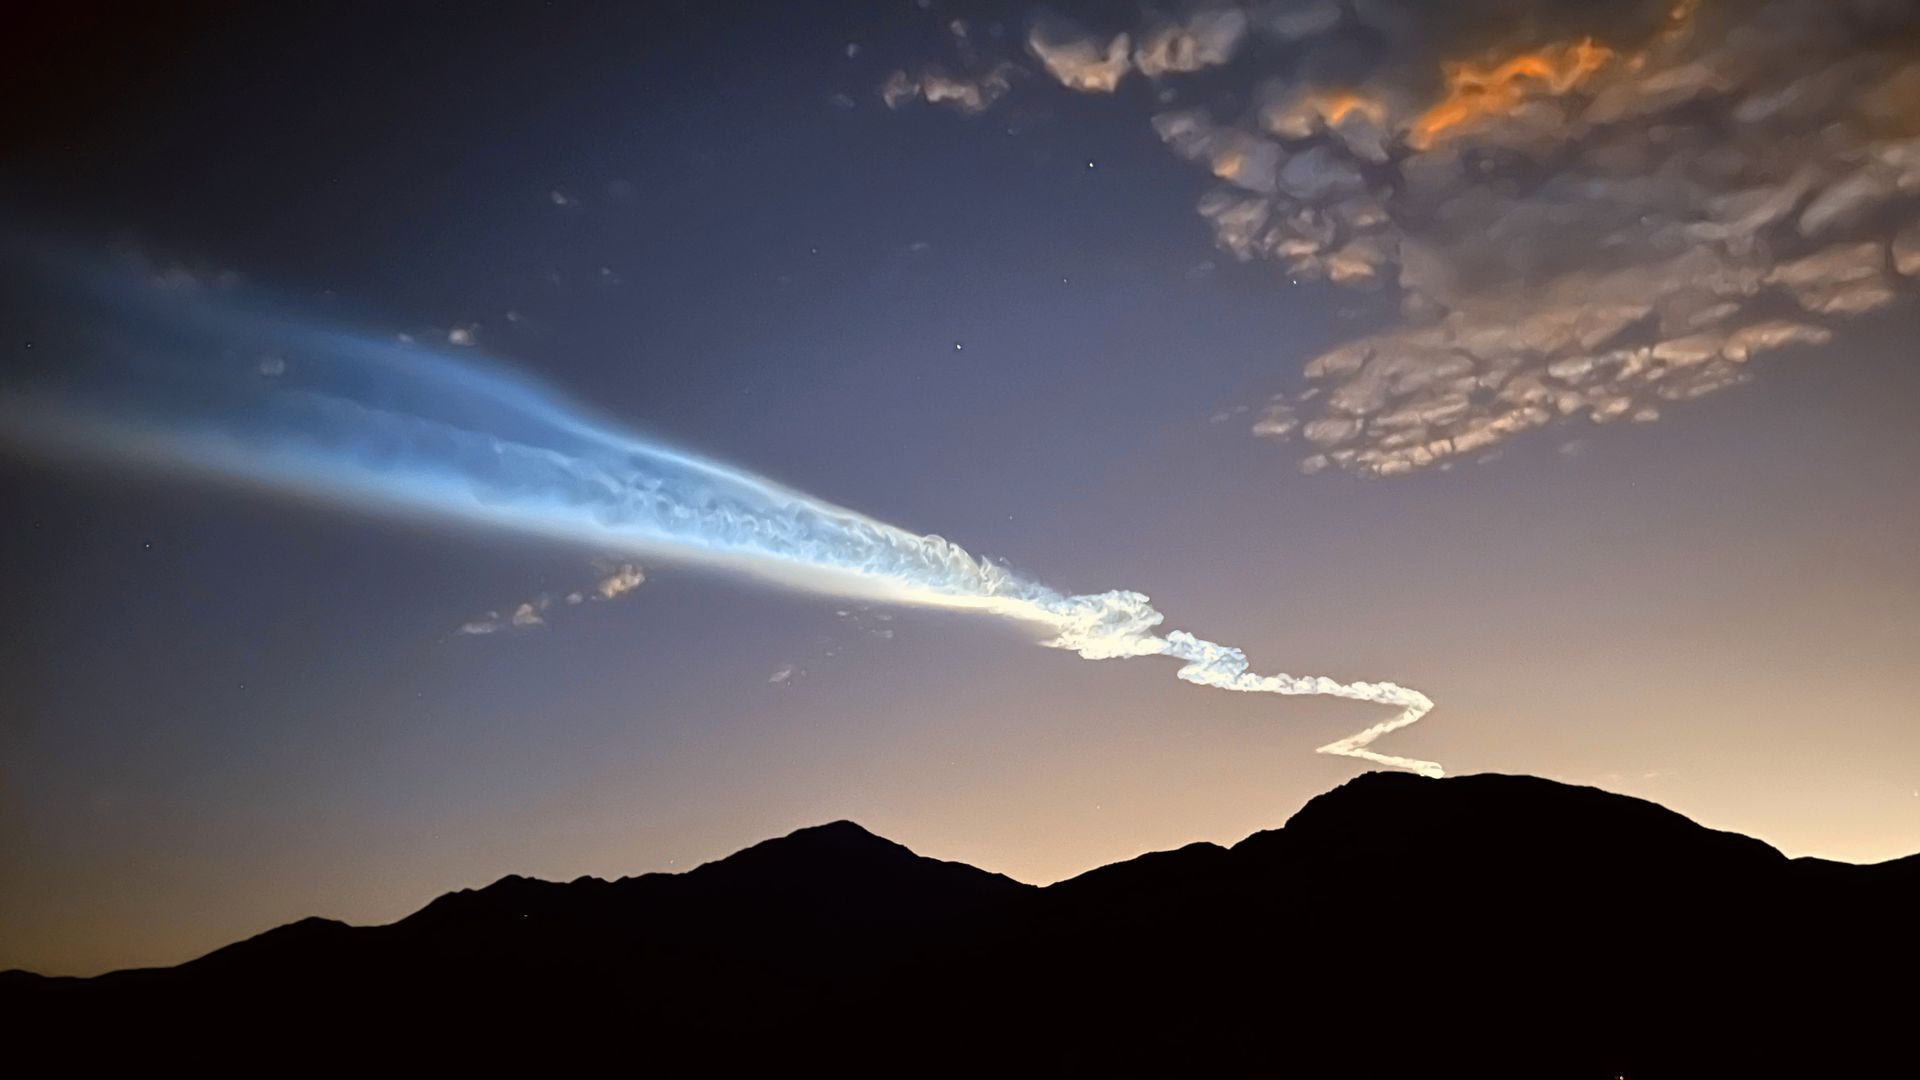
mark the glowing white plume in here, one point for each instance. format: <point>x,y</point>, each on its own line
<point>1116,625</point>
<point>407,430</point>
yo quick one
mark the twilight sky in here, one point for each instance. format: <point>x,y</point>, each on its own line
<point>998,317</point>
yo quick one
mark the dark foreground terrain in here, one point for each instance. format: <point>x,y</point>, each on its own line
<point>1396,926</point>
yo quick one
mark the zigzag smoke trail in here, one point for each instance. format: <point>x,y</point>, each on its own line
<point>287,406</point>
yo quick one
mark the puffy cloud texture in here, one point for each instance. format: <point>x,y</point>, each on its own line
<point>1587,211</point>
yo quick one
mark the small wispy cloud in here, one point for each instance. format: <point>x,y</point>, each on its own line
<point>624,579</point>
<point>522,616</point>
<point>935,86</point>
<point>618,580</point>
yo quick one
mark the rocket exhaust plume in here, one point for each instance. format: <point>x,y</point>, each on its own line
<point>183,379</point>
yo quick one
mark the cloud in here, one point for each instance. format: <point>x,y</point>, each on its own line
<point>177,277</point>
<point>521,617</point>
<point>624,579</point>
<point>1076,59</point>
<point>864,619</point>
<point>1587,212</point>
<point>618,580</point>
<point>1204,37</point>
<point>965,94</point>
<point>1294,20</point>
<point>786,671</point>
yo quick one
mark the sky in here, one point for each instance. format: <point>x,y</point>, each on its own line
<point>972,270</point>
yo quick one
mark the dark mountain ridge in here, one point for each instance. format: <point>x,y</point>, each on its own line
<point>1494,924</point>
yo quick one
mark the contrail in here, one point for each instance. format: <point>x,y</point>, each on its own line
<point>188,381</point>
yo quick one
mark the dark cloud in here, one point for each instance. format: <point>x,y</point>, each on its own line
<point>1586,210</point>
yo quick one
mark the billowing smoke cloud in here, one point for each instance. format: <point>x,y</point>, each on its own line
<point>173,381</point>
<point>1589,209</point>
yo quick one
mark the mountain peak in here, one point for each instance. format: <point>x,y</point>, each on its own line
<point>841,832</point>
<point>1478,820</point>
<point>841,855</point>
<point>835,841</point>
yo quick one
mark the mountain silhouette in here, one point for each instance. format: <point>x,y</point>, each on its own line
<point>1478,925</point>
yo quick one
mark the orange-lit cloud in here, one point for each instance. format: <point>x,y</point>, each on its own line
<point>1476,92</point>
<point>1585,214</point>
<point>1335,106</point>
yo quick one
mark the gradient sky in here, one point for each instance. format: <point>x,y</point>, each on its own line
<point>222,713</point>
